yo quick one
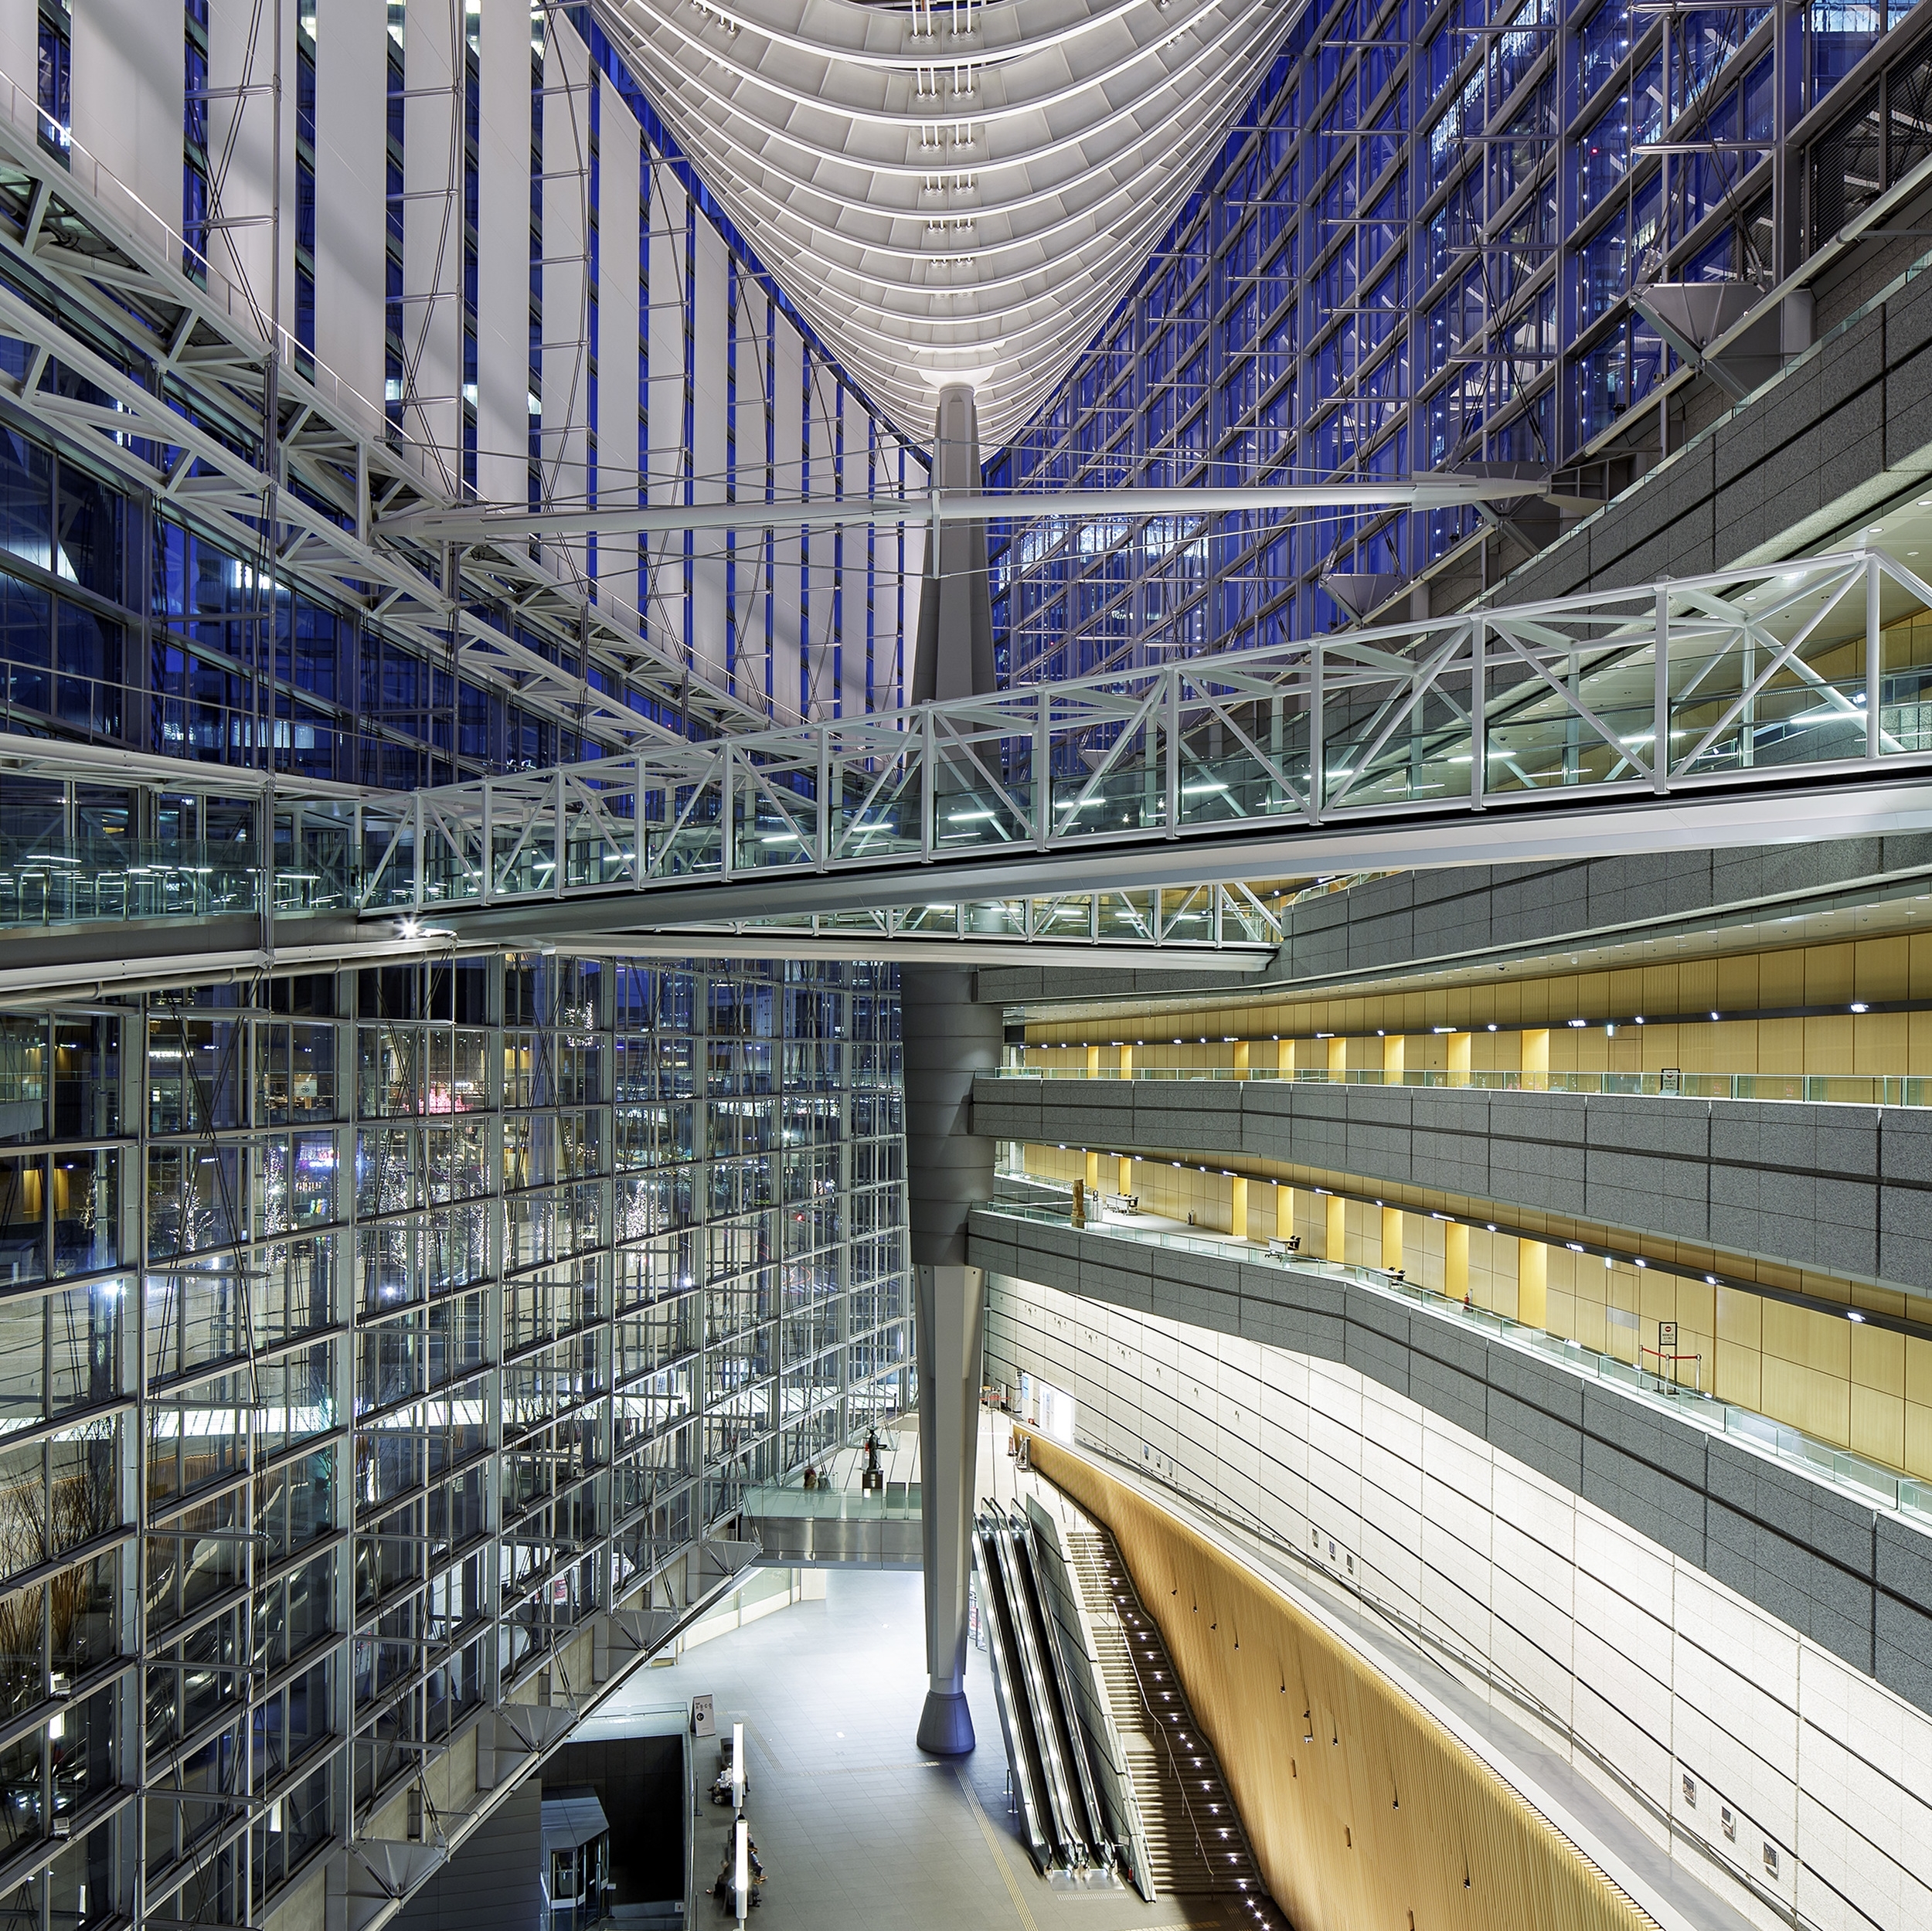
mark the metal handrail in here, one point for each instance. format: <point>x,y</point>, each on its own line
<point>1872,1485</point>
<point>1577,694</point>
<point>1811,1089</point>
<point>1160,1729</point>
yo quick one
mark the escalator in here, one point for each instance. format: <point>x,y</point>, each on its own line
<point>1045,1744</point>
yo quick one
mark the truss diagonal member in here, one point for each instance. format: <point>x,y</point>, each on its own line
<point>953,749</point>
<point>1190,895</point>
<point>1138,920</point>
<point>1270,922</point>
<point>1399,704</point>
<point>457,832</point>
<point>530,819</point>
<point>1778,657</point>
<point>583,802</point>
<point>1907,579</point>
<point>1220,713</point>
<point>901,769</point>
<point>1570,699</point>
<point>714,783</point>
<point>1133,724</point>
<point>364,898</point>
<point>811,845</point>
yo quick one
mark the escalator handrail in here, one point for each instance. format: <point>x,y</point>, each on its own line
<point>1100,1845</point>
<point>1072,1848</point>
<point>1018,1752</point>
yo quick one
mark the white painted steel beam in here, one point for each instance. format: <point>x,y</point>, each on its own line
<point>111,268</point>
<point>510,522</point>
<point>1526,733</point>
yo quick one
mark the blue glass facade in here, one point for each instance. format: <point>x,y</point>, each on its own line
<point>1417,249</point>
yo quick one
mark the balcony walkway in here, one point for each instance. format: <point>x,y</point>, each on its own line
<point>1866,1482</point>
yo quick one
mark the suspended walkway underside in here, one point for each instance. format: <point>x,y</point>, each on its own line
<point>1129,815</point>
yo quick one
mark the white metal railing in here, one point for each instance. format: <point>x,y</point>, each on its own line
<point>1869,1481</point>
<point>1814,1088</point>
<point>1750,675</point>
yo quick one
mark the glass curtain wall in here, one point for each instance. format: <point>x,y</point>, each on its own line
<point>124,624</point>
<point>1417,250</point>
<point>361,1336</point>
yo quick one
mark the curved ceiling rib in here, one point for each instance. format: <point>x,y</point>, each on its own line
<point>951,195</point>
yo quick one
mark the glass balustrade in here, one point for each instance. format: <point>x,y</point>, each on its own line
<point>897,1502</point>
<point>1869,1481</point>
<point>1828,1089</point>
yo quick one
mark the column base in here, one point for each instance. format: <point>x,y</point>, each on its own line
<point>945,1724</point>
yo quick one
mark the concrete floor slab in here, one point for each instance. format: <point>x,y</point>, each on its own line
<point>855,1827</point>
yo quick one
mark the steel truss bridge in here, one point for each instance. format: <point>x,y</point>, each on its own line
<point>1124,817</point>
<point>1122,813</point>
<point>1777,700</point>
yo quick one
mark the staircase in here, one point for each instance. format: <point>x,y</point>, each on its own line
<point>1195,1844</point>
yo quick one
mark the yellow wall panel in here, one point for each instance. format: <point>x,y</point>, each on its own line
<point>1829,974</point>
<point>1878,1360</point>
<point>1882,968</point>
<point>1918,1372</point>
<point>1878,1427</point>
<point>1918,1440</point>
<point>1740,1375</point>
<point>1803,1334</point>
<point>1820,1404</point>
<point>1740,1319</point>
<point>1384,1820</point>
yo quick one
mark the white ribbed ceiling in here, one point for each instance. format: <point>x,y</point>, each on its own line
<point>952,194</point>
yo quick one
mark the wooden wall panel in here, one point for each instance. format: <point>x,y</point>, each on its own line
<point>1794,1366</point>
<point>1382,1819</point>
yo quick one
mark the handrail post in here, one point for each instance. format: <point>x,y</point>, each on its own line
<point>1042,774</point>
<point>640,837</point>
<point>928,788</point>
<point>1478,714</point>
<point>1318,790</point>
<point>1173,675</point>
<point>489,844</point>
<point>1659,727</point>
<point>1874,658</point>
<point>823,855</point>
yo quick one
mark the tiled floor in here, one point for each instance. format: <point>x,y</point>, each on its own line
<point>856,1828</point>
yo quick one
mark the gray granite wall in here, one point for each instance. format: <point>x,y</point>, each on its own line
<point>1417,916</point>
<point>1846,1190</point>
<point>1857,1580</point>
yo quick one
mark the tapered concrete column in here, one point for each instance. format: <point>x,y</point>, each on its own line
<point>953,653</point>
<point>947,1039</point>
